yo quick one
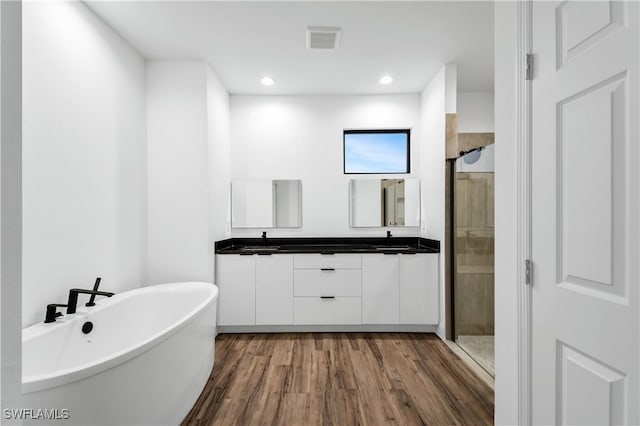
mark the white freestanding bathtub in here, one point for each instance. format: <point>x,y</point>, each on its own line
<point>145,362</point>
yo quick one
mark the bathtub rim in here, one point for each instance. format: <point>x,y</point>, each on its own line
<point>56,378</point>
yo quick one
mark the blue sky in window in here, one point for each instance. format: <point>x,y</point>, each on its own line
<point>375,153</point>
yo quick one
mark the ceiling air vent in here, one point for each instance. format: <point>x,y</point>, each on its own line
<point>326,38</point>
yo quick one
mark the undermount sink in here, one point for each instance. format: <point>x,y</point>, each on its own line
<point>261,248</point>
<point>387,248</point>
<point>323,247</point>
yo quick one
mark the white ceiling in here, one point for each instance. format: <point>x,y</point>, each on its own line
<point>244,41</point>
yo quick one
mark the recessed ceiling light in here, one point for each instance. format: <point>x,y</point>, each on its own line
<point>267,81</point>
<point>385,79</point>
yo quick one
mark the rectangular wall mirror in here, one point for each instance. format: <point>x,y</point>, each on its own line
<point>384,202</point>
<point>266,203</point>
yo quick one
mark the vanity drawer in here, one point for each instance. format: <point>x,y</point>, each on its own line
<point>317,261</point>
<point>335,282</point>
<point>339,310</point>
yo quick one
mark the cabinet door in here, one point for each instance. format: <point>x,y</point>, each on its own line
<point>236,280</point>
<point>380,293</point>
<point>419,290</point>
<point>274,289</point>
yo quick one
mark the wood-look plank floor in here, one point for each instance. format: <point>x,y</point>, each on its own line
<point>340,379</point>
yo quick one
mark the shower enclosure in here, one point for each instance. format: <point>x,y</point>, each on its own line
<point>472,254</point>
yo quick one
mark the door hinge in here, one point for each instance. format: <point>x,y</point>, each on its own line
<point>529,67</point>
<point>528,272</point>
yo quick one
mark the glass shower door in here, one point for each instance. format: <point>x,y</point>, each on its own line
<point>474,256</point>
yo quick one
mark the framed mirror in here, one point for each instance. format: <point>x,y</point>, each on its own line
<point>384,202</point>
<point>266,203</point>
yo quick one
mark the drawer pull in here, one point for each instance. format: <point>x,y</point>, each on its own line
<point>327,297</point>
<point>327,269</point>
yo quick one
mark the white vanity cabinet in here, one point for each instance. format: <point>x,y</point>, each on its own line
<point>327,289</point>
<point>274,289</point>
<point>400,289</point>
<point>236,280</point>
<point>313,289</point>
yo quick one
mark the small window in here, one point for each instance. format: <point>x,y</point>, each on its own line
<point>376,151</point>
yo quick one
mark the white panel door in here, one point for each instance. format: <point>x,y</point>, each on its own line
<point>380,289</point>
<point>274,289</point>
<point>585,217</point>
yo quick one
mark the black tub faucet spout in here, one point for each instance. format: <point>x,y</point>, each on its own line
<point>264,238</point>
<point>73,297</point>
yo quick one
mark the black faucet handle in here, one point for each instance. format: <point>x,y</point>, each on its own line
<point>97,284</point>
<point>52,312</point>
<point>388,234</point>
<point>92,299</point>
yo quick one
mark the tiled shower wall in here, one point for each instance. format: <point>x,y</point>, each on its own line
<point>474,246</point>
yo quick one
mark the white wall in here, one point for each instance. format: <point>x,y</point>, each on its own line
<point>300,137</point>
<point>10,205</point>
<point>219,136</point>
<point>188,133</point>
<point>436,102</point>
<point>476,115</point>
<point>177,155</point>
<point>506,272</point>
<point>84,156</point>
<point>475,112</point>
<point>450,88</point>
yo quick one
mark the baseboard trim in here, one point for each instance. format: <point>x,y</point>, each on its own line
<point>364,328</point>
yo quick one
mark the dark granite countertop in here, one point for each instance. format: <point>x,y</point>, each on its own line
<point>250,246</point>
